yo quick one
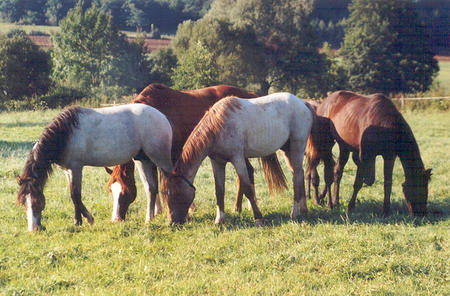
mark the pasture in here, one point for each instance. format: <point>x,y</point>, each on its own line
<point>325,252</point>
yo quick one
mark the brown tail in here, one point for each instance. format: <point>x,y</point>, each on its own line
<point>276,180</point>
<point>163,187</point>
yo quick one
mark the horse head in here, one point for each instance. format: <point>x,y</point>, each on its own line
<point>181,194</point>
<point>415,191</point>
<point>31,196</point>
<point>122,185</point>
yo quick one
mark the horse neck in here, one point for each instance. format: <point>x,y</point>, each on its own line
<point>189,166</point>
<point>409,154</point>
<point>38,169</point>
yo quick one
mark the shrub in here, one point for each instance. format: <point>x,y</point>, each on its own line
<point>24,68</point>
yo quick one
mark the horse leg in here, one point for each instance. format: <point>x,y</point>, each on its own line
<point>295,162</point>
<point>359,178</point>
<point>338,170</point>
<point>74,177</point>
<point>247,188</point>
<point>251,174</point>
<point>219,181</point>
<point>149,177</point>
<point>328,176</point>
<point>312,176</point>
<point>389,161</point>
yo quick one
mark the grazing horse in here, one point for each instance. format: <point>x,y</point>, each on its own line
<point>95,137</point>
<point>319,148</point>
<point>231,131</point>
<point>184,109</point>
<point>369,126</point>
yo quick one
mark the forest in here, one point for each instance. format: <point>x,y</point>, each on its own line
<point>165,15</point>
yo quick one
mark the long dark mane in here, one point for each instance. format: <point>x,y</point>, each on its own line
<point>205,132</point>
<point>48,150</point>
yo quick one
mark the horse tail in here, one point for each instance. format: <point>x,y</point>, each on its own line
<point>276,180</point>
<point>163,182</point>
<point>311,150</point>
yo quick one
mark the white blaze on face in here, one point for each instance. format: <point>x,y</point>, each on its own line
<point>116,189</point>
<point>33,222</point>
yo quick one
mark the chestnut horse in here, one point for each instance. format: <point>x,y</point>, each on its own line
<point>369,126</point>
<point>95,137</point>
<point>184,109</point>
<point>231,131</point>
<point>319,148</point>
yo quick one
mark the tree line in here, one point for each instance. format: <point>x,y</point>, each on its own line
<point>262,45</point>
<point>151,16</point>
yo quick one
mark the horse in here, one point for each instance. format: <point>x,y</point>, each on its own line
<point>95,137</point>
<point>369,126</point>
<point>319,148</point>
<point>184,109</point>
<point>231,131</point>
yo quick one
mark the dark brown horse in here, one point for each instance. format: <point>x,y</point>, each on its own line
<point>319,148</point>
<point>371,126</point>
<point>184,109</point>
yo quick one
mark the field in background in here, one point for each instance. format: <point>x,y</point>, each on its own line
<point>7,27</point>
<point>443,76</point>
<point>325,252</point>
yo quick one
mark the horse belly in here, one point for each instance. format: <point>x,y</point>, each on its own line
<point>105,144</point>
<point>265,139</point>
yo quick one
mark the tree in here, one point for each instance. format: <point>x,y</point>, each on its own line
<point>160,65</point>
<point>24,68</point>
<point>195,69</point>
<point>268,43</point>
<point>90,52</point>
<point>386,48</point>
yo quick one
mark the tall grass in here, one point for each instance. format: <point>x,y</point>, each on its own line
<point>324,252</point>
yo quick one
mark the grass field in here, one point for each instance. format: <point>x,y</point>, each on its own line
<point>443,76</point>
<point>325,252</point>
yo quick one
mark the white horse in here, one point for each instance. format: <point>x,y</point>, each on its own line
<point>233,130</point>
<point>96,137</point>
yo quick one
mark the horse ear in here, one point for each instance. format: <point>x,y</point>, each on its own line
<point>108,170</point>
<point>428,174</point>
<point>19,180</point>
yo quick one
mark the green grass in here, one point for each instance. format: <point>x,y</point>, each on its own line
<point>443,76</point>
<point>325,252</point>
<point>7,27</point>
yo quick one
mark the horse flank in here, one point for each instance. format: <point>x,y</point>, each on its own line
<point>49,149</point>
<point>205,132</point>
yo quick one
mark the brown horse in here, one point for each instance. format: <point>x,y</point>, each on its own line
<point>184,109</point>
<point>319,148</point>
<point>369,126</point>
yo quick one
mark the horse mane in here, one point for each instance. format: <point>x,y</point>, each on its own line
<point>50,147</point>
<point>205,132</point>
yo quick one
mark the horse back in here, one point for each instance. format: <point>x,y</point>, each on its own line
<point>372,119</point>
<point>113,135</point>
<point>265,124</point>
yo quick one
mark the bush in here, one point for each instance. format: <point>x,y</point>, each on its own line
<point>24,68</point>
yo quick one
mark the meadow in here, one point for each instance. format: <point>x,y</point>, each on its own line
<point>326,252</point>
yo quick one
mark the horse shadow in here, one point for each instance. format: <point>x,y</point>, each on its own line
<point>366,212</point>
<point>10,148</point>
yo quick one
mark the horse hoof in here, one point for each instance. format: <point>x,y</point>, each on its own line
<point>78,222</point>
<point>90,219</point>
<point>259,222</point>
<point>117,220</point>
